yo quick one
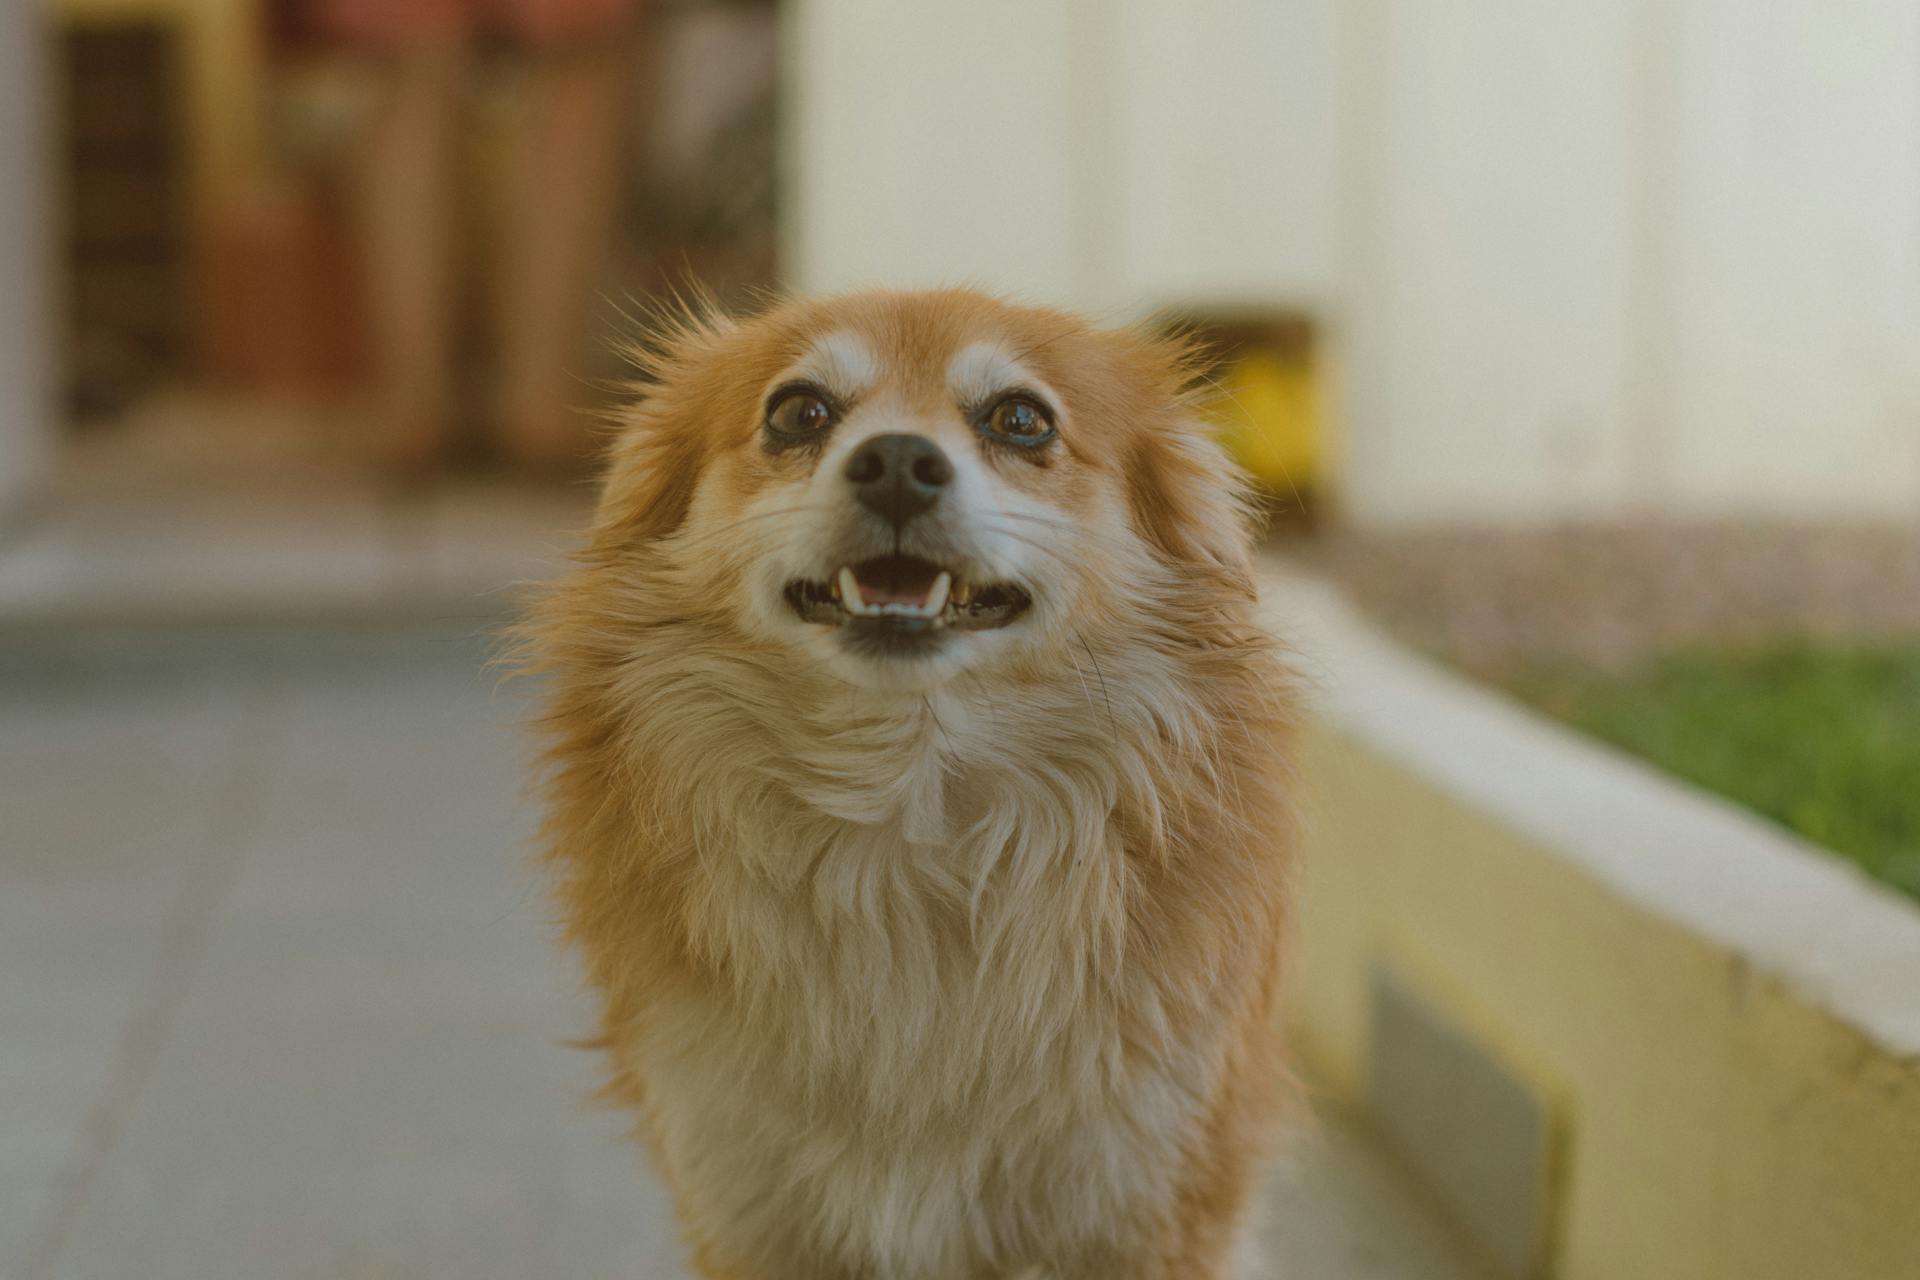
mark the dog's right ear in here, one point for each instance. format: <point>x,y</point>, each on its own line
<point>653,468</point>
<point>659,446</point>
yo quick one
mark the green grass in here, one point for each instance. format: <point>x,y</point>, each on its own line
<point>1825,741</point>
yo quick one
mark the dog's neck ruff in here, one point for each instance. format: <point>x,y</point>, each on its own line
<point>912,817</point>
<point>757,747</point>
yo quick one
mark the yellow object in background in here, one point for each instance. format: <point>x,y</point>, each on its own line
<point>1270,419</point>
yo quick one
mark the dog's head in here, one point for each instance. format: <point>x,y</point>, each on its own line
<point>899,487</point>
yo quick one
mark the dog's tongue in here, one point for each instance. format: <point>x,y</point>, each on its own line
<point>894,580</point>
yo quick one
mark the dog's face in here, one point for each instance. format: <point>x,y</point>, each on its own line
<point>899,488</point>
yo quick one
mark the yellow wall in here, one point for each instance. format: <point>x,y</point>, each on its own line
<point>1717,1127</point>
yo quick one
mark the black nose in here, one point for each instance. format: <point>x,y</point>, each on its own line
<point>898,476</point>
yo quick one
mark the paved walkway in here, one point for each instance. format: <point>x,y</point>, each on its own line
<point>279,998</point>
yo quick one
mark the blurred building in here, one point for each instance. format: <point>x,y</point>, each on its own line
<point>1597,259</point>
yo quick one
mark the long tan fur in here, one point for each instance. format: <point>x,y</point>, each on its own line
<point>961,974</point>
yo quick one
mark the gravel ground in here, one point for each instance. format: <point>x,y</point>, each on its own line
<point>1489,600</point>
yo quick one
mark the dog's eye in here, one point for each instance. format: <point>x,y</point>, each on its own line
<point>798,413</point>
<point>1018,420</point>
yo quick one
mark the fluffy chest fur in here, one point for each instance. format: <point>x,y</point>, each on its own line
<point>923,1059</point>
<point>923,991</point>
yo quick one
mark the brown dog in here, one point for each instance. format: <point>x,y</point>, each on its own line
<point>919,798</point>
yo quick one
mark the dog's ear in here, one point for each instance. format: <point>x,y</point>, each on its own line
<point>1191,502</point>
<point>659,444</point>
<point>1186,498</point>
<point>653,468</point>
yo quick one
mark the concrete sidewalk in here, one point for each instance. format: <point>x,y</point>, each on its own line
<point>280,998</point>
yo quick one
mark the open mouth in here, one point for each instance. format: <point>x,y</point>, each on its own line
<point>905,595</point>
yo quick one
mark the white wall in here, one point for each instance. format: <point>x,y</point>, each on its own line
<point>1614,257</point>
<point>1593,258</point>
<point>1794,278</point>
<point>930,143</point>
<point>1110,154</point>
<point>1227,128</point>
<point>1488,264</point>
<point>26,419</point>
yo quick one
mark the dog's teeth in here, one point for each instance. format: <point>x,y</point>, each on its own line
<point>846,589</point>
<point>850,593</point>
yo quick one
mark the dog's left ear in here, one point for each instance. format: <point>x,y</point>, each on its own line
<point>1191,503</point>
